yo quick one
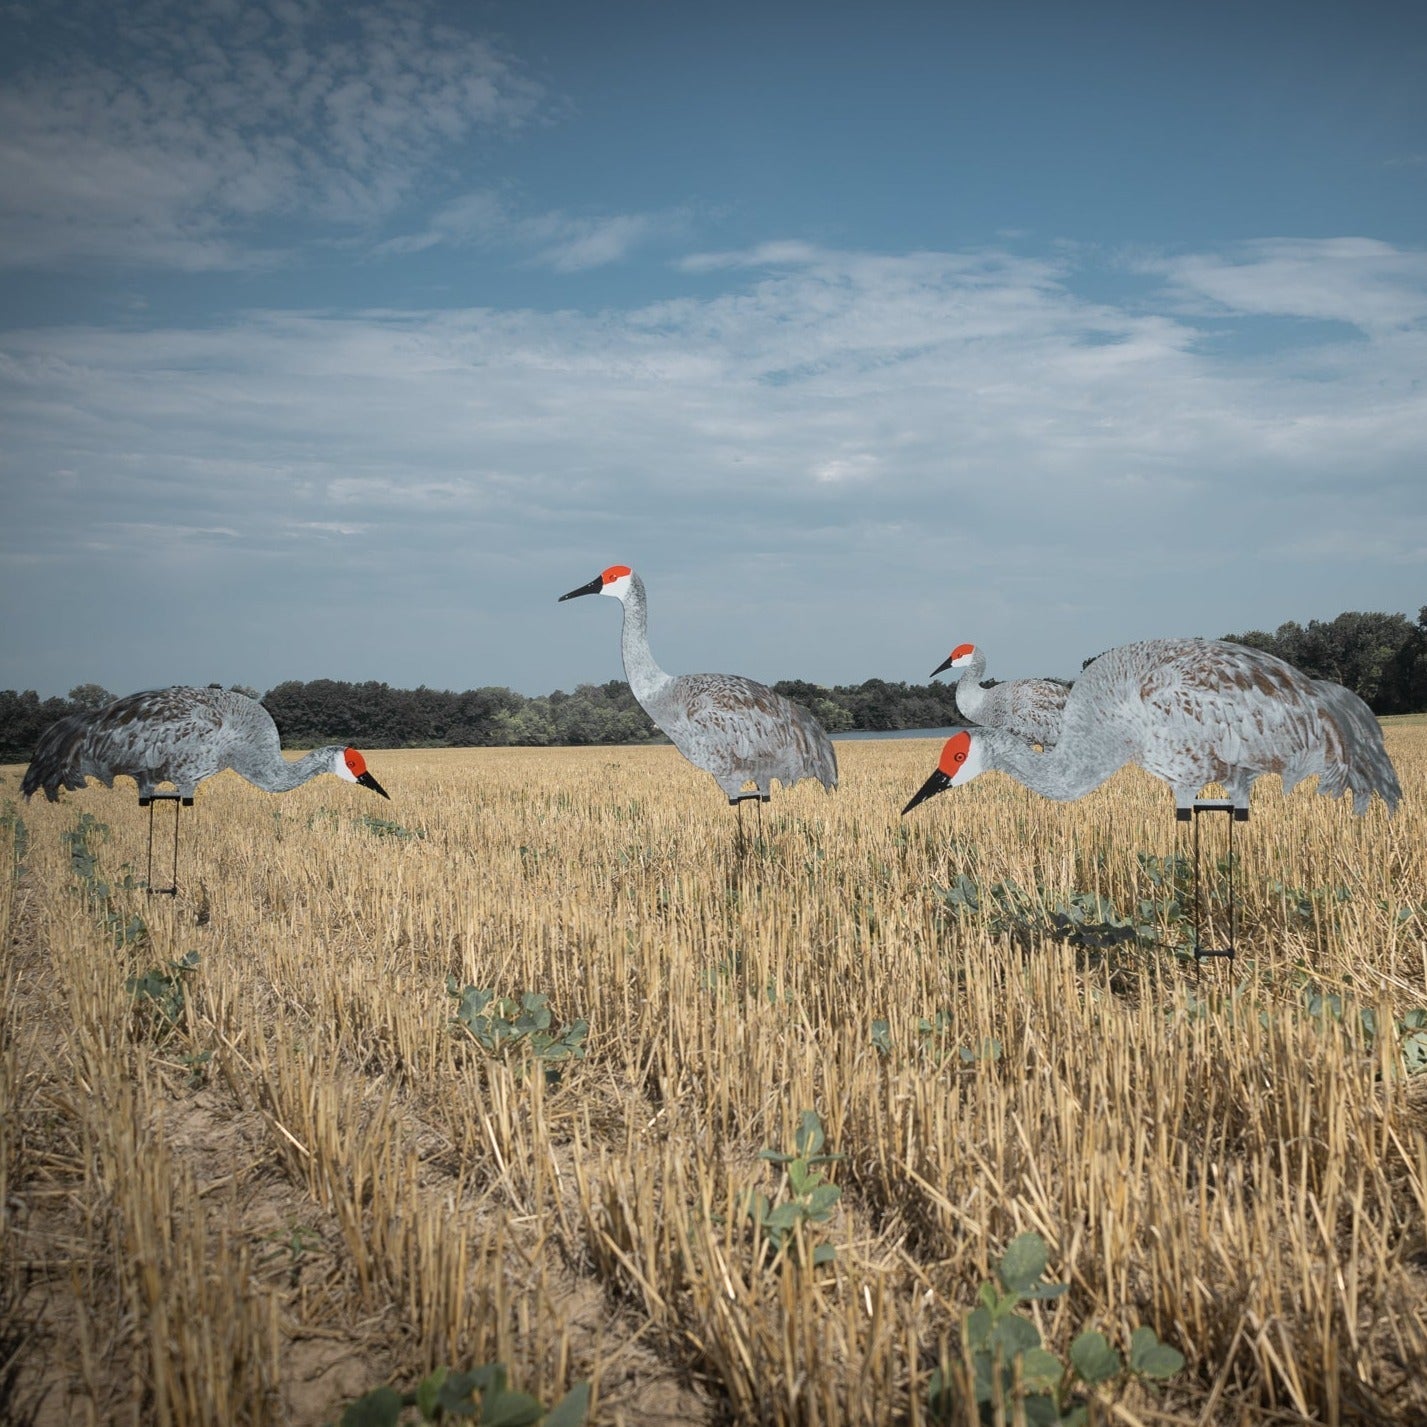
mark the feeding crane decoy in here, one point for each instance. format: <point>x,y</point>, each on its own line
<point>738,730</point>
<point>181,736</point>
<point>1029,708</point>
<point>1190,711</point>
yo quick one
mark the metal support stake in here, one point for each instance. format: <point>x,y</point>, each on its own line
<point>178,800</point>
<point>1237,814</point>
<point>738,802</point>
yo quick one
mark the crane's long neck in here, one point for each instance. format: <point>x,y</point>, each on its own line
<point>275,774</point>
<point>1069,770</point>
<point>970,696</point>
<point>645,676</point>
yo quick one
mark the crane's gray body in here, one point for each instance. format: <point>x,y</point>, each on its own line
<point>1030,708</point>
<point>1197,711</point>
<point>737,729</point>
<point>740,731</point>
<point>179,735</point>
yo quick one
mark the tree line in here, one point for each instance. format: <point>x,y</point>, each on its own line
<point>375,715</point>
<point>1381,657</point>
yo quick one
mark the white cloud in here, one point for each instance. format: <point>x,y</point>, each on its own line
<point>130,537</point>
<point>564,242</point>
<point>472,218</point>
<point>374,493</point>
<point>851,466</point>
<point>324,528</point>
<point>774,254</point>
<point>1368,284</point>
<point>907,438</point>
<point>581,243</point>
<point>198,123</point>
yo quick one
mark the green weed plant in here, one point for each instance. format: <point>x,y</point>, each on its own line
<point>514,1030</point>
<point>811,1198</point>
<point>1009,1375</point>
<point>481,1396</point>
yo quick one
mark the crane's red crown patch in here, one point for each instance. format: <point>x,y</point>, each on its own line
<point>953,753</point>
<point>615,572</point>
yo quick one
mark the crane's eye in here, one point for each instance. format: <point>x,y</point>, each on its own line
<point>958,758</point>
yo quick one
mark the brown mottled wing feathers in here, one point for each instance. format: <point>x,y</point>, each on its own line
<point>740,731</point>
<point>1029,708</point>
<point>178,735</point>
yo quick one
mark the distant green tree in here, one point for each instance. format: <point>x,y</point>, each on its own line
<point>831,714</point>
<point>1404,680</point>
<point>23,718</point>
<point>800,691</point>
<point>530,726</point>
<point>874,705</point>
<point>823,703</point>
<point>90,696</point>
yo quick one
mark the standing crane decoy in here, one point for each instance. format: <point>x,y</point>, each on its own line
<point>181,736</point>
<point>1029,708</point>
<point>1190,711</point>
<point>734,728</point>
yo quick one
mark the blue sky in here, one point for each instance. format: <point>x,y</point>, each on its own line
<point>337,341</point>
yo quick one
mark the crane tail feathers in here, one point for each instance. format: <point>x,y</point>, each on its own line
<point>56,763</point>
<point>1358,760</point>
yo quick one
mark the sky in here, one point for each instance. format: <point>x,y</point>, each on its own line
<point>339,340</point>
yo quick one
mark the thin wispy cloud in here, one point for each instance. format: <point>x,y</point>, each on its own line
<point>1361,281</point>
<point>472,219</point>
<point>562,242</point>
<point>771,254</point>
<point>201,123</point>
<point>571,245</point>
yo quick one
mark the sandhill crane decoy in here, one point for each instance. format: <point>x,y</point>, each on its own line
<point>1190,711</point>
<point>181,736</point>
<point>737,729</point>
<point>1029,708</point>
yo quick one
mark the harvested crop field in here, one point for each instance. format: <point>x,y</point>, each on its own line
<point>265,1145</point>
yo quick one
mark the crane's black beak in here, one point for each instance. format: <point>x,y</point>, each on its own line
<point>945,664</point>
<point>367,781</point>
<point>593,588</point>
<point>937,783</point>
